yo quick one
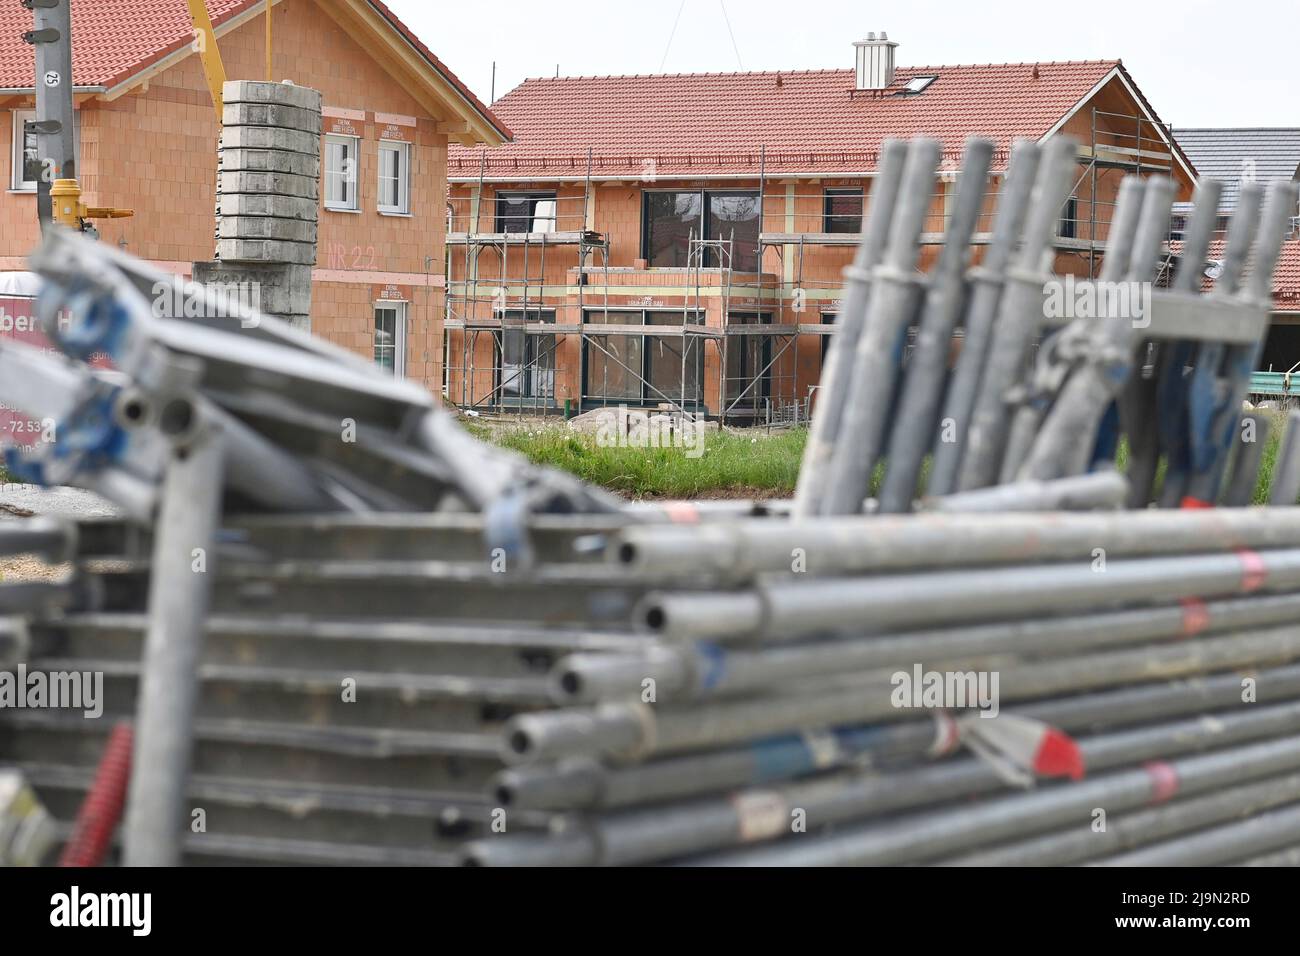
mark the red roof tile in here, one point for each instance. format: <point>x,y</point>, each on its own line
<point>113,40</point>
<point>1286,278</point>
<point>715,123</point>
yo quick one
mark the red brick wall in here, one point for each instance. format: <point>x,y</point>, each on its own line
<point>154,150</point>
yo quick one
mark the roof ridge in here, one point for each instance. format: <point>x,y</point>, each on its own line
<point>809,71</point>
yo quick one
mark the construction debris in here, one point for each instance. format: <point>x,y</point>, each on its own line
<point>347,633</point>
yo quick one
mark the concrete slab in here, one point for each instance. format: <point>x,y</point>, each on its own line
<point>266,250</point>
<point>275,184</point>
<point>252,204</point>
<point>282,289</point>
<point>260,91</point>
<point>270,114</point>
<point>270,137</point>
<point>265,227</point>
<point>270,161</point>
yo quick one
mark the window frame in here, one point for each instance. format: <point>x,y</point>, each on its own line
<point>400,308</point>
<point>403,150</point>
<point>17,144</point>
<point>533,196</point>
<point>701,232</point>
<point>345,205</point>
<point>760,354</point>
<point>838,192</point>
<point>532,389</point>
<point>632,315</point>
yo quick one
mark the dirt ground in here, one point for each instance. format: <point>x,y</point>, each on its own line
<point>26,569</point>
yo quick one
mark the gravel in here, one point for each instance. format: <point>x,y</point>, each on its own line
<point>19,501</point>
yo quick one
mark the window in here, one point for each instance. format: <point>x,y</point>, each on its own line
<point>917,84</point>
<point>341,156</point>
<point>828,318</point>
<point>843,210</point>
<point>643,369</point>
<point>390,337</point>
<point>747,358</point>
<point>671,219</point>
<point>394,178</point>
<point>1070,219</point>
<point>24,149</point>
<point>614,362</point>
<point>525,212</point>
<point>525,361</point>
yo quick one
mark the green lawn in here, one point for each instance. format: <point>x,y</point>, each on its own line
<point>735,463</point>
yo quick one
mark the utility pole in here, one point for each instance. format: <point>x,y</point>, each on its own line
<point>58,193</point>
<point>56,148</point>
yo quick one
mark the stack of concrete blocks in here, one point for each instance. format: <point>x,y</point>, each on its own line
<point>268,196</point>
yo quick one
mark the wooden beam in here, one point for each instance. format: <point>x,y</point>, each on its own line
<point>452,127</point>
<point>206,38</point>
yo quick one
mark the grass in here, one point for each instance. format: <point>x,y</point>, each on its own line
<point>735,463</point>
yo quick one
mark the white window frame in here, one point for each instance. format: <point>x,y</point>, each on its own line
<point>399,307</point>
<point>16,181</point>
<point>349,177</point>
<point>403,150</point>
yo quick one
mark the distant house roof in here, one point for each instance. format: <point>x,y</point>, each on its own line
<point>114,41</point>
<point>715,124</point>
<point>1286,278</point>
<point>1274,153</point>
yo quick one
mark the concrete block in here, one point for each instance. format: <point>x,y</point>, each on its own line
<point>270,137</point>
<point>270,161</point>
<point>266,250</point>
<point>280,94</point>
<point>281,289</point>
<point>268,114</point>
<point>254,204</point>
<point>276,184</point>
<point>258,227</point>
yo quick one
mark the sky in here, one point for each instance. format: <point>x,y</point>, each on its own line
<point>1199,62</point>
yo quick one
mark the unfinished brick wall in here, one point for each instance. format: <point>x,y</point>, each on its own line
<point>154,150</point>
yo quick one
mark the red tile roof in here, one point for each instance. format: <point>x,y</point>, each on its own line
<point>715,123</point>
<point>1286,278</point>
<point>113,40</point>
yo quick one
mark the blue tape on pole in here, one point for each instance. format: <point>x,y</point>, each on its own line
<point>781,758</point>
<point>714,661</point>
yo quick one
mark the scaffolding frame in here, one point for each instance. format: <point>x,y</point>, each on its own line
<point>768,376</point>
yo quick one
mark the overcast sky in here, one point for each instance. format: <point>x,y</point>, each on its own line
<point>1200,62</point>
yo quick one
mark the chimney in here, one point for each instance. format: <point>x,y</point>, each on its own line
<point>875,62</point>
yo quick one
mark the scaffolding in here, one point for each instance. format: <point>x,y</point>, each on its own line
<point>510,328</point>
<point>509,309</point>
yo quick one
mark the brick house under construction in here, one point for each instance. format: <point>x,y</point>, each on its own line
<point>680,239</point>
<point>148,142</point>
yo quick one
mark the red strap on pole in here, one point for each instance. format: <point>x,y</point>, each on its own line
<point>105,800</point>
